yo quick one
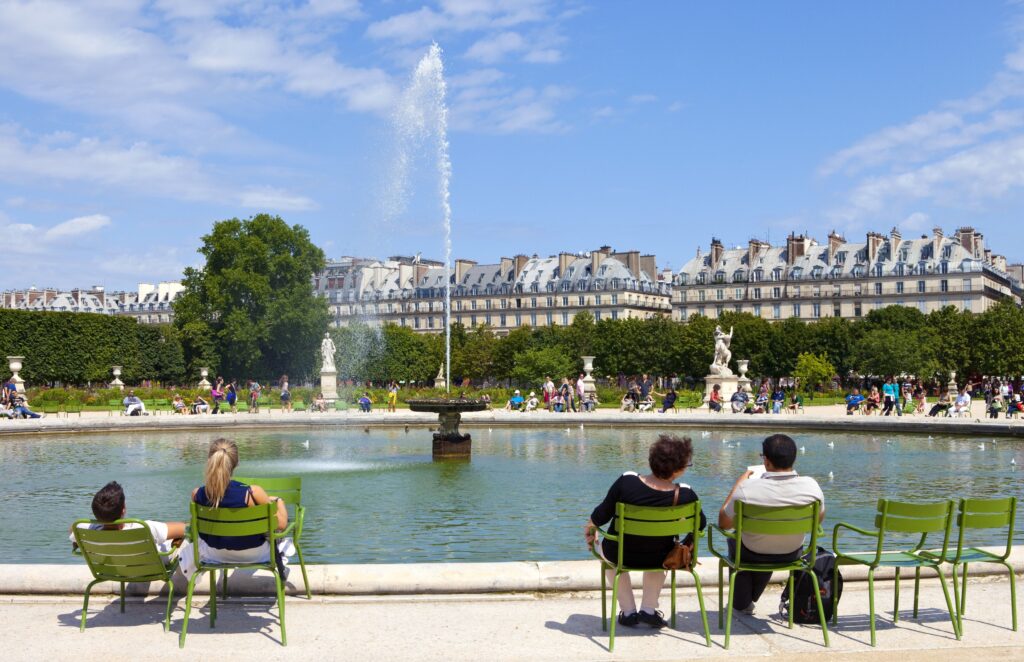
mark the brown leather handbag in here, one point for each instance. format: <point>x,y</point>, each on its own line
<point>680,557</point>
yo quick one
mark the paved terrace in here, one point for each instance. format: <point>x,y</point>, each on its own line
<point>825,417</point>
<point>494,612</point>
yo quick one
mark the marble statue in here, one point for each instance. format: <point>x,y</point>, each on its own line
<point>720,364</point>
<point>327,350</point>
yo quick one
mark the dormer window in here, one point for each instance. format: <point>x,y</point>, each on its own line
<point>878,269</point>
<point>841,257</point>
<point>719,276</point>
<point>777,273</point>
<point>816,272</point>
<point>796,273</point>
<point>739,276</point>
<point>758,275</point>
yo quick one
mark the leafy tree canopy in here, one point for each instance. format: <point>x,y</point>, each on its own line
<point>251,309</point>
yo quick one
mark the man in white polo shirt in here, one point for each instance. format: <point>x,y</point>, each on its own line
<point>779,485</point>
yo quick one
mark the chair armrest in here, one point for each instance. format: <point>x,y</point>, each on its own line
<point>286,531</point>
<point>711,541</point>
<point>843,525</point>
<point>593,548</point>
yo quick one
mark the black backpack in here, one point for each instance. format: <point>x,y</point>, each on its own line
<point>806,608</point>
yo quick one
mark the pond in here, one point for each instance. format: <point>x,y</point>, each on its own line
<point>377,496</point>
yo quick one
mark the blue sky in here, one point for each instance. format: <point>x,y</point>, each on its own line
<point>127,126</point>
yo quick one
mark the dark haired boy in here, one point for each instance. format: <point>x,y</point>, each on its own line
<point>108,506</point>
<point>779,485</point>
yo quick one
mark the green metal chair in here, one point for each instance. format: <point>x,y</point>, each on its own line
<point>232,522</point>
<point>769,520</point>
<point>289,490</point>
<point>977,514</point>
<point>901,518</point>
<point>647,521</point>
<point>123,556</point>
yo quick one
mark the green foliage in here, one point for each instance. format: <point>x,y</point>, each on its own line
<point>813,371</point>
<point>78,348</point>
<point>251,309</point>
<point>534,364</point>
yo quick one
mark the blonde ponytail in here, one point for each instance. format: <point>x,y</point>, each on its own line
<point>220,464</point>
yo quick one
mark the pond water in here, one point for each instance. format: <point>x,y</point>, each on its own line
<point>378,497</point>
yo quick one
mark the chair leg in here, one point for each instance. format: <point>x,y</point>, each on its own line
<point>962,607</point>
<point>1013,598</point>
<point>821,611</point>
<point>673,599</point>
<point>604,601</point>
<point>170,601</point>
<point>917,587</point>
<point>871,602</point>
<point>835,598</point>
<point>280,607</point>
<point>953,614</point>
<point>224,584</point>
<point>85,605</point>
<point>188,608</point>
<point>792,595</point>
<point>896,599</point>
<point>703,612</point>
<point>728,607</point>
<point>213,598</point>
<point>122,597</point>
<point>720,593</point>
<point>615,602</point>
<point>302,565</point>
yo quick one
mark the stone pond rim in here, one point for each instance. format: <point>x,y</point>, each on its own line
<point>448,441</point>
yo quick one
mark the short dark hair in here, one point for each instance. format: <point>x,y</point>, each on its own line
<point>669,454</point>
<point>780,450</point>
<point>108,504</point>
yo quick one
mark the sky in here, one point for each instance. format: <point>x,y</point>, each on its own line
<point>128,127</point>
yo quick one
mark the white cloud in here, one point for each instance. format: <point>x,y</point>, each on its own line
<point>543,56</point>
<point>132,168</point>
<point>77,226</point>
<point>275,199</point>
<point>495,48</point>
<point>964,153</point>
<point>604,111</point>
<point>643,98</point>
<point>676,106</point>
<point>915,221</point>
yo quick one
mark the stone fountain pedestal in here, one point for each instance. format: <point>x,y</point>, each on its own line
<point>448,442</point>
<point>727,386</point>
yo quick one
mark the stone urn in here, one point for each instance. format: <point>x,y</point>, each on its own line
<point>588,379</point>
<point>951,387</point>
<point>743,381</point>
<point>14,362</point>
<point>116,383</point>
<point>204,383</point>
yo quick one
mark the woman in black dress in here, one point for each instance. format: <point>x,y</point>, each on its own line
<point>669,458</point>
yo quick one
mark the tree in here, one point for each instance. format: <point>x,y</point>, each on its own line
<point>534,364</point>
<point>251,309</point>
<point>475,358</point>
<point>996,340</point>
<point>813,371</point>
<point>516,342</point>
<point>883,352</point>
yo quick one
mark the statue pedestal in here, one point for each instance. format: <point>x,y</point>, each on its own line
<point>588,380</point>
<point>727,386</point>
<point>329,385</point>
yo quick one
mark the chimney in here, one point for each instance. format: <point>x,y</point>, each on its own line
<point>506,266</point>
<point>648,264</point>
<point>564,260</point>
<point>520,263</point>
<point>874,243</point>
<point>98,292</point>
<point>895,238</point>
<point>965,236</point>
<point>835,240</point>
<point>461,268</point>
<point>716,252</point>
<point>631,259</point>
<point>796,246</point>
<point>596,258</point>
<point>936,241</point>
<point>988,256</point>
<point>999,262</point>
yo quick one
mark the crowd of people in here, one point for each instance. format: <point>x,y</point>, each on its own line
<point>14,403</point>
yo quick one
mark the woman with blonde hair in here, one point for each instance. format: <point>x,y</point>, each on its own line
<point>219,490</point>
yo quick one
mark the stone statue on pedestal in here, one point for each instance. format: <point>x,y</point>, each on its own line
<point>327,350</point>
<point>720,364</point>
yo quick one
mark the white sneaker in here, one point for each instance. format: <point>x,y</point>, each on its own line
<point>749,609</point>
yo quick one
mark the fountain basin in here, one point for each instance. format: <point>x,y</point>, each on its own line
<point>448,441</point>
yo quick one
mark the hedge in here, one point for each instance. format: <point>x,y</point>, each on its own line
<point>80,348</point>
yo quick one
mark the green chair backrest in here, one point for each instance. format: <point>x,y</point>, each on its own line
<point>287,488</point>
<point>120,555</point>
<point>776,521</point>
<point>232,523</point>
<point>986,514</point>
<point>116,404</point>
<point>649,521</point>
<point>913,518</point>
